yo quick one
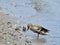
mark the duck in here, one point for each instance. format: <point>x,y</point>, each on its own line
<point>37,29</point>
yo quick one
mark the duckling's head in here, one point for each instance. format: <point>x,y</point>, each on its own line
<point>44,31</point>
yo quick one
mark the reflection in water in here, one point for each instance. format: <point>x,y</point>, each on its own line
<point>39,41</point>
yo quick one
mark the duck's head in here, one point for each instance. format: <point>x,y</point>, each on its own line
<point>29,25</point>
<point>44,31</point>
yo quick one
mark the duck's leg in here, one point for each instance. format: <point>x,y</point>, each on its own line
<point>37,35</point>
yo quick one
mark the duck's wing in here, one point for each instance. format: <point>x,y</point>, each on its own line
<point>37,27</point>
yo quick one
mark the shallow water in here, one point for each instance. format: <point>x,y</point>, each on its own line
<point>48,17</point>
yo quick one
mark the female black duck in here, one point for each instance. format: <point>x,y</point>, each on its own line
<point>37,29</point>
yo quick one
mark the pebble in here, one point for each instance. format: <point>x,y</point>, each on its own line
<point>8,42</point>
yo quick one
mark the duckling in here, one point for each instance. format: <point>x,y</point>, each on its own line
<point>37,29</point>
<point>24,28</point>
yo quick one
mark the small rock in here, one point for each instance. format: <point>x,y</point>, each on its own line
<point>8,23</point>
<point>12,35</point>
<point>8,42</point>
<point>28,41</point>
<point>20,37</point>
